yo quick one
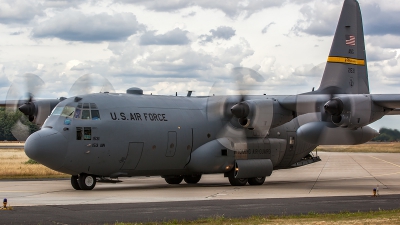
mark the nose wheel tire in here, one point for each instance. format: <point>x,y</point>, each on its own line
<point>192,179</point>
<point>86,182</point>
<point>174,180</point>
<point>74,182</point>
<point>256,180</point>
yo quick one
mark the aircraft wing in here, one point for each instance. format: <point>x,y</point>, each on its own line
<point>389,101</point>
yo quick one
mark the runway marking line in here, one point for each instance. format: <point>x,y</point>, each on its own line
<point>384,161</point>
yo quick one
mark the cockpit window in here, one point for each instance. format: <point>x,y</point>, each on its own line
<point>95,115</point>
<point>57,111</point>
<point>86,114</point>
<point>68,111</point>
<point>87,111</point>
<point>77,114</point>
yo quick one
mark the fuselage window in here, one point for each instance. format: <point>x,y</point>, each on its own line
<point>86,114</point>
<point>79,133</point>
<point>68,111</point>
<point>87,133</point>
<point>95,115</point>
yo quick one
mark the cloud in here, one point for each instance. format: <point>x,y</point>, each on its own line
<point>379,22</point>
<point>71,25</point>
<point>265,29</point>
<point>222,32</point>
<point>375,53</point>
<point>19,11</point>
<point>232,8</point>
<point>62,4</point>
<point>81,66</point>
<point>173,37</point>
<point>385,41</point>
<point>319,20</point>
<point>16,33</point>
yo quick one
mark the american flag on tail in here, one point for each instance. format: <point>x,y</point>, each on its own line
<point>350,40</point>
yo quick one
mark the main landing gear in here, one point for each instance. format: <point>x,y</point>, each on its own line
<point>189,179</point>
<point>243,181</point>
<point>83,182</point>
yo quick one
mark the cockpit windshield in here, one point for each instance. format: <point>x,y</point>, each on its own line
<point>87,111</point>
<point>84,111</point>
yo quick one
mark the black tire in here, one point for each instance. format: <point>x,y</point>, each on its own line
<point>235,181</point>
<point>74,182</point>
<point>86,182</point>
<point>192,179</point>
<point>174,180</point>
<point>256,180</point>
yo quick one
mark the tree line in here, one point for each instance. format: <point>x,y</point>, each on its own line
<point>388,135</point>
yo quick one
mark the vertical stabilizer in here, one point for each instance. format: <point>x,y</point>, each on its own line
<point>346,67</point>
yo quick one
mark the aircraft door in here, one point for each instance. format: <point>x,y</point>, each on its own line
<point>133,157</point>
<point>290,148</point>
<point>171,146</point>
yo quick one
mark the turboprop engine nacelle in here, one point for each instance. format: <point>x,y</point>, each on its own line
<point>37,111</point>
<point>353,111</point>
<point>261,114</point>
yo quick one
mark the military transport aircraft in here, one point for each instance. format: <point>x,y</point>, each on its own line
<point>104,136</point>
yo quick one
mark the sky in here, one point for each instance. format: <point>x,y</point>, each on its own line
<point>168,46</point>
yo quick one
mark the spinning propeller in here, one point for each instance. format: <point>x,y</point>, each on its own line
<point>23,94</point>
<point>234,112</point>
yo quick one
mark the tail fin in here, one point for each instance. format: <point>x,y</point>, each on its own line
<point>346,69</point>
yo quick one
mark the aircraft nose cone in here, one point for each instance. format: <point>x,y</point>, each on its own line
<point>47,147</point>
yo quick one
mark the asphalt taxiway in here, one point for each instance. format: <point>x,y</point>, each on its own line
<point>340,182</point>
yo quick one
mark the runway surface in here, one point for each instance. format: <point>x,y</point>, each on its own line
<point>341,181</point>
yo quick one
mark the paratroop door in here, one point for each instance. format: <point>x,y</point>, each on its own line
<point>134,153</point>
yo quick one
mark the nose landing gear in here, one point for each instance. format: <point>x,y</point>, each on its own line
<point>83,182</point>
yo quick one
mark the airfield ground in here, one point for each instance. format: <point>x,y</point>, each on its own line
<point>342,181</point>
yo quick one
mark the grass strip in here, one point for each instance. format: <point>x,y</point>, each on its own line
<point>371,217</point>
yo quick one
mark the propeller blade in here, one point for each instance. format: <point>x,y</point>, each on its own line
<point>227,105</point>
<point>20,96</point>
<point>91,83</point>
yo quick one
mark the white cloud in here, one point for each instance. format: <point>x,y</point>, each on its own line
<point>19,11</point>
<point>375,53</point>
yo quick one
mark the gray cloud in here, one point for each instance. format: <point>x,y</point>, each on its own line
<point>173,37</point>
<point>321,19</point>
<point>16,33</point>
<point>62,4</point>
<point>378,22</point>
<point>231,8</point>
<point>265,29</point>
<point>73,25</point>
<point>19,11</point>
<point>222,32</point>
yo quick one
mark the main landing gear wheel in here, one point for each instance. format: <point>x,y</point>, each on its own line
<point>256,180</point>
<point>174,180</point>
<point>74,182</point>
<point>192,179</point>
<point>86,182</point>
<point>236,181</point>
